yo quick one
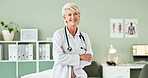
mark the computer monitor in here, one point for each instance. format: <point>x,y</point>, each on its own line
<point>140,53</point>
<point>140,58</point>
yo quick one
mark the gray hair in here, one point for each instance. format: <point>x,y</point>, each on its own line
<point>71,6</point>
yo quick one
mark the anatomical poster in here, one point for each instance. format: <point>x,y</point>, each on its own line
<point>131,28</point>
<point>116,28</point>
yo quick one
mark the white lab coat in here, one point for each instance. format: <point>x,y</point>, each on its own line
<point>63,61</point>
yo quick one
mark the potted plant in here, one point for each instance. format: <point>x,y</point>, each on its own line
<point>9,30</point>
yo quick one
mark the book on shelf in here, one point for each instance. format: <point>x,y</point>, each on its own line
<point>1,52</point>
<point>44,51</point>
<point>30,52</point>
<point>12,51</point>
<point>25,52</point>
<point>19,52</point>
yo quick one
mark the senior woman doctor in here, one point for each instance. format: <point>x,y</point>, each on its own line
<point>71,47</point>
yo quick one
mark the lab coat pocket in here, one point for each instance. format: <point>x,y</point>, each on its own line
<point>82,51</point>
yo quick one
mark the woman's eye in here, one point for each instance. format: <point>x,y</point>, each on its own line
<point>72,14</point>
<point>75,13</point>
<point>69,14</point>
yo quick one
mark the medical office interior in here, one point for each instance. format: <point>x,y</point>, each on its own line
<point>46,17</point>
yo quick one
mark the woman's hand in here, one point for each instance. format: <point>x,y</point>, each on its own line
<point>63,50</point>
<point>86,57</point>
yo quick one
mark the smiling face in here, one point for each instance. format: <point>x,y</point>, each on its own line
<point>72,17</point>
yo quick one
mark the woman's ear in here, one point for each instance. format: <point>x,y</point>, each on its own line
<point>79,15</point>
<point>64,17</point>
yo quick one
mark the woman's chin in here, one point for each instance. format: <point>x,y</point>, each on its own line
<point>73,24</point>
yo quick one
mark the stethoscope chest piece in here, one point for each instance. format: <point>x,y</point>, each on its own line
<point>69,49</point>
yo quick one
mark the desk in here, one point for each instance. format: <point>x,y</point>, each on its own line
<point>119,71</point>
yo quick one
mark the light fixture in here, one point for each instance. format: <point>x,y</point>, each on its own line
<point>111,51</point>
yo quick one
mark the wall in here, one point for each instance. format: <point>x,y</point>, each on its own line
<point>95,18</point>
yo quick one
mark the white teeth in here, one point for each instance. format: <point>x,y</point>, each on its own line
<point>73,20</point>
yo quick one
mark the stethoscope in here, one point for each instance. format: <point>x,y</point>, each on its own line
<point>81,37</point>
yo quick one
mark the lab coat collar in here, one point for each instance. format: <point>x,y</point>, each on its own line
<point>77,34</point>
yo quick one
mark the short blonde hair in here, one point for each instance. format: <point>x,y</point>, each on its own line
<point>71,6</point>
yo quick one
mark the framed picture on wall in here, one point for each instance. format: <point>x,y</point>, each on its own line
<point>116,28</point>
<point>29,34</point>
<point>131,28</point>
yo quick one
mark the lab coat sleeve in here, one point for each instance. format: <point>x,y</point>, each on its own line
<point>60,56</point>
<point>84,63</point>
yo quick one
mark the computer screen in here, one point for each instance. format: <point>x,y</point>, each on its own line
<point>140,58</point>
<point>140,53</point>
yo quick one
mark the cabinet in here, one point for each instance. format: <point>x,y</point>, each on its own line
<point>120,71</point>
<point>112,72</point>
<point>36,63</point>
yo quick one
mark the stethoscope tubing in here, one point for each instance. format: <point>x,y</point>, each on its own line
<point>82,39</point>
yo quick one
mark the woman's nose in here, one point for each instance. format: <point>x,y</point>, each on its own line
<point>73,16</point>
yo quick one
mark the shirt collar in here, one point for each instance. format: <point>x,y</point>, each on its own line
<point>77,33</point>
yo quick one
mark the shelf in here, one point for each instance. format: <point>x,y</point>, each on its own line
<point>26,41</point>
<point>46,60</point>
<point>8,41</point>
<point>7,61</point>
<point>24,60</point>
<point>34,46</point>
<point>45,41</point>
<point>140,55</point>
<point>21,41</point>
<point>32,60</point>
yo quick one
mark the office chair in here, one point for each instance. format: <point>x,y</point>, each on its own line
<point>144,72</point>
<point>93,70</point>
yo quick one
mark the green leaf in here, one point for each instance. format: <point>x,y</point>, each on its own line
<point>10,29</point>
<point>2,23</point>
<point>6,26</point>
<point>11,26</point>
